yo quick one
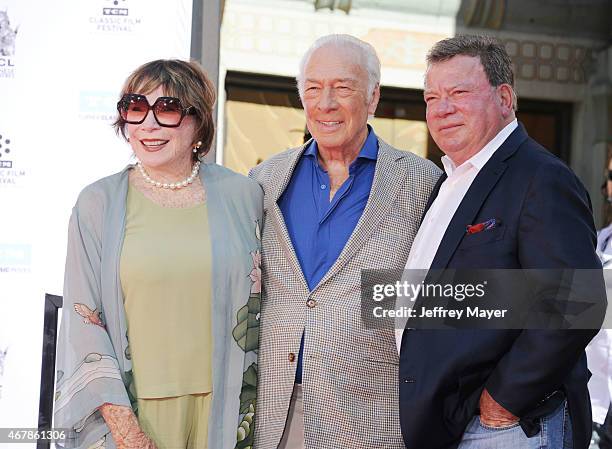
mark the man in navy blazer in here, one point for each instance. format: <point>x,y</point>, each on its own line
<point>484,389</point>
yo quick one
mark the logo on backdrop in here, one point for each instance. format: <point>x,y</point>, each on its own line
<point>98,105</point>
<point>5,152</point>
<point>8,36</point>
<point>117,9</point>
<point>15,258</point>
<point>115,18</point>
<point>10,174</point>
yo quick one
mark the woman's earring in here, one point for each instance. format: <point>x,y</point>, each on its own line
<point>197,146</point>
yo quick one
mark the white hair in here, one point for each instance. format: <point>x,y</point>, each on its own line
<point>368,59</point>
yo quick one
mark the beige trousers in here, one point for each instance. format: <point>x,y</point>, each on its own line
<point>176,423</point>
<point>293,436</point>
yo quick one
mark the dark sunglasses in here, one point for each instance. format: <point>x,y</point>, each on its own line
<point>609,175</point>
<point>168,111</point>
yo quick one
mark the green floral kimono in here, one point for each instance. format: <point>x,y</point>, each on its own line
<point>93,363</point>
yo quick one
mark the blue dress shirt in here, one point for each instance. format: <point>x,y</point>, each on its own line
<point>319,228</point>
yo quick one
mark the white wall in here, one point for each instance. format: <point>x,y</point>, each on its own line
<point>57,99</point>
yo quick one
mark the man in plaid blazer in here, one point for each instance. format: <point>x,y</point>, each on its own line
<point>343,202</point>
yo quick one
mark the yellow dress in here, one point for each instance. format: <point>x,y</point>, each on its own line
<point>165,271</point>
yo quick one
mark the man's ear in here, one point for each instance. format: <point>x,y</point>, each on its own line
<point>373,103</point>
<point>506,97</point>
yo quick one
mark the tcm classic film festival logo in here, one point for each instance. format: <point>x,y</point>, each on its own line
<point>10,174</point>
<point>115,18</point>
<point>8,36</point>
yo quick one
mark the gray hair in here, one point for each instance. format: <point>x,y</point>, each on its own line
<point>368,58</point>
<point>491,52</point>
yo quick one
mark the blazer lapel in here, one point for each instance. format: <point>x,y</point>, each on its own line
<point>475,197</point>
<point>434,195</point>
<point>282,176</point>
<point>388,179</point>
<point>275,216</point>
<point>467,210</point>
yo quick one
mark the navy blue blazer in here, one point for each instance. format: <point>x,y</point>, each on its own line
<point>547,222</point>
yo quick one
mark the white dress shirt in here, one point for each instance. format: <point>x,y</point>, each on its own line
<point>599,357</point>
<point>442,210</point>
<point>599,350</point>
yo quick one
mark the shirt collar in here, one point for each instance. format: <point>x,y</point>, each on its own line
<point>482,157</point>
<point>369,150</point>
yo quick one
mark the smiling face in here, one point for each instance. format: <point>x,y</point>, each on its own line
<point>335,99</point>
<point>464,112</point>
<point>163,150</point>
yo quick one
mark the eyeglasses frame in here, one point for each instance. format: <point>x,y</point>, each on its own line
<point>191,110</point>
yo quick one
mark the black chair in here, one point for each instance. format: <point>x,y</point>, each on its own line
<point>47,372</point>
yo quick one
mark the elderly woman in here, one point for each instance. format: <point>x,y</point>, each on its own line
<point>163,255</point>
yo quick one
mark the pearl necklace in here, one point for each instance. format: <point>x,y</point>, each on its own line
<point>173,185</point>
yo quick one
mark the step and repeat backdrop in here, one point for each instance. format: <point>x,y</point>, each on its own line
<point>62,64</point>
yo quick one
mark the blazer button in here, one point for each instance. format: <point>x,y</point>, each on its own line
<point>311,303</point>
<point>291,357</point>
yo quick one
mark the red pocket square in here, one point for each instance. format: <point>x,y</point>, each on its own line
<point>484,226</point>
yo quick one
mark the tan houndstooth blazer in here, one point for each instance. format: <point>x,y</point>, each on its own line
<point>350,373</point>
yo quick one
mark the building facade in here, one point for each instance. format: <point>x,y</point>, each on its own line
<point>561,50</point>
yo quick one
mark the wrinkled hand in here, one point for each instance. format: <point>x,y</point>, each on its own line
<point>124,428</point>
<point>494,415</point>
